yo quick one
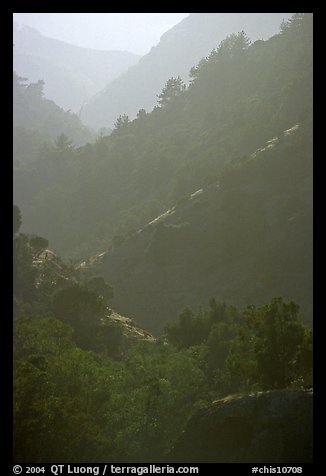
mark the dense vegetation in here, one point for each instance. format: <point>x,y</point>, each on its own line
<point>225,164</point>
<point>240,97</point>
<point>244,241</point>
<point>71,381</point>
<point>177,51</point>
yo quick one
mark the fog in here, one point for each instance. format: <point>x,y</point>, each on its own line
<point>162,239</point>
<point>133,32</point>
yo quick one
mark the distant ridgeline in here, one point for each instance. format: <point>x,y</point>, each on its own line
<point>245,236</point>
<point>37,121</point>
<point>178,50</point>
<point>72,74</point>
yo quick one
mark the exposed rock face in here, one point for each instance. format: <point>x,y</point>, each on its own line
<point>128,327</point>
<point>262,427</point>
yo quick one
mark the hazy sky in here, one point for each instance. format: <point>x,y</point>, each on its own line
<point>134,32</point>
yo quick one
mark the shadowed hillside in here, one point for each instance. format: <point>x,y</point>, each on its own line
<point>244,238</point>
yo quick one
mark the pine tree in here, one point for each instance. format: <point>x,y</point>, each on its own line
<point>173,87</point>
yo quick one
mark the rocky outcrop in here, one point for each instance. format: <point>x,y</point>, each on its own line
<point>263,427</point>
<point>128,327</point>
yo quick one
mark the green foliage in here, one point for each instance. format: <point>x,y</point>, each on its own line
<point>166,241</point>
<point>173,88</point>
<point>62,143</point>
<point>241,96</point>
<point>244,233</point>
<point>121,122</point>
<point>62,390</point>
<point>273,349</point>
<point>91,408</point>
<point>189,330</point>
<point>231,47</point>
<point>178,50</point>
<point>283,345</point>
<point>38,243</point>
<point>98,284</point>
<point>45,285</point>
<point>39,120</point>
<point>250,225</point>
<point>117,241</point>
<point>141,114</point>
<point>37,272</point>
<point>81,307</point>
<point>266,347</point>
<point>35,336</point>
<point>24,273</point>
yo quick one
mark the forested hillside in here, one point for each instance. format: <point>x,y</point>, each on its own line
<point>234,240</point>
<point>178,50</point>
<point>244,238</point>
<point>37,121</point>
<point>162,274</point>
<point>240,97</point>
<point>103,389</point>
<point>72,74</point>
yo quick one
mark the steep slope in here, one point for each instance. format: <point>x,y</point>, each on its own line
<point>37,120</point>
<point>178,50</point>
<point>72,74</point>
<point>43,273</point>
<point>240,97</point>
<point>243,239</point>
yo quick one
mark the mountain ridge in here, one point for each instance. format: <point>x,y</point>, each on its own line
<point>80,71</point>
<point>179,49</point>
<point>174,253</point>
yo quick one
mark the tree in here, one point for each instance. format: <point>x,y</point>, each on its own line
<point>195,71</point>
<point>189,329</point>
<point>281,342</point>
<point>233,45</point>
<point>294,23</point>
<point>24,273</point>
<point>173,87</point>
<point>63,390</point>
<point>63,144</point>
<point>38,243</point>
<point>17,219</point>
<point>273,348</point>
<point>35,90</point>
<point>98,284</point>
<point>121,122</point>
<point>141,114</point>
<point>80,307</point>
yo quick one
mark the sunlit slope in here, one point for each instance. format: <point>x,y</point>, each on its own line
<point>243,239</point>
<point>248,239</point>
<point>178,50</point>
